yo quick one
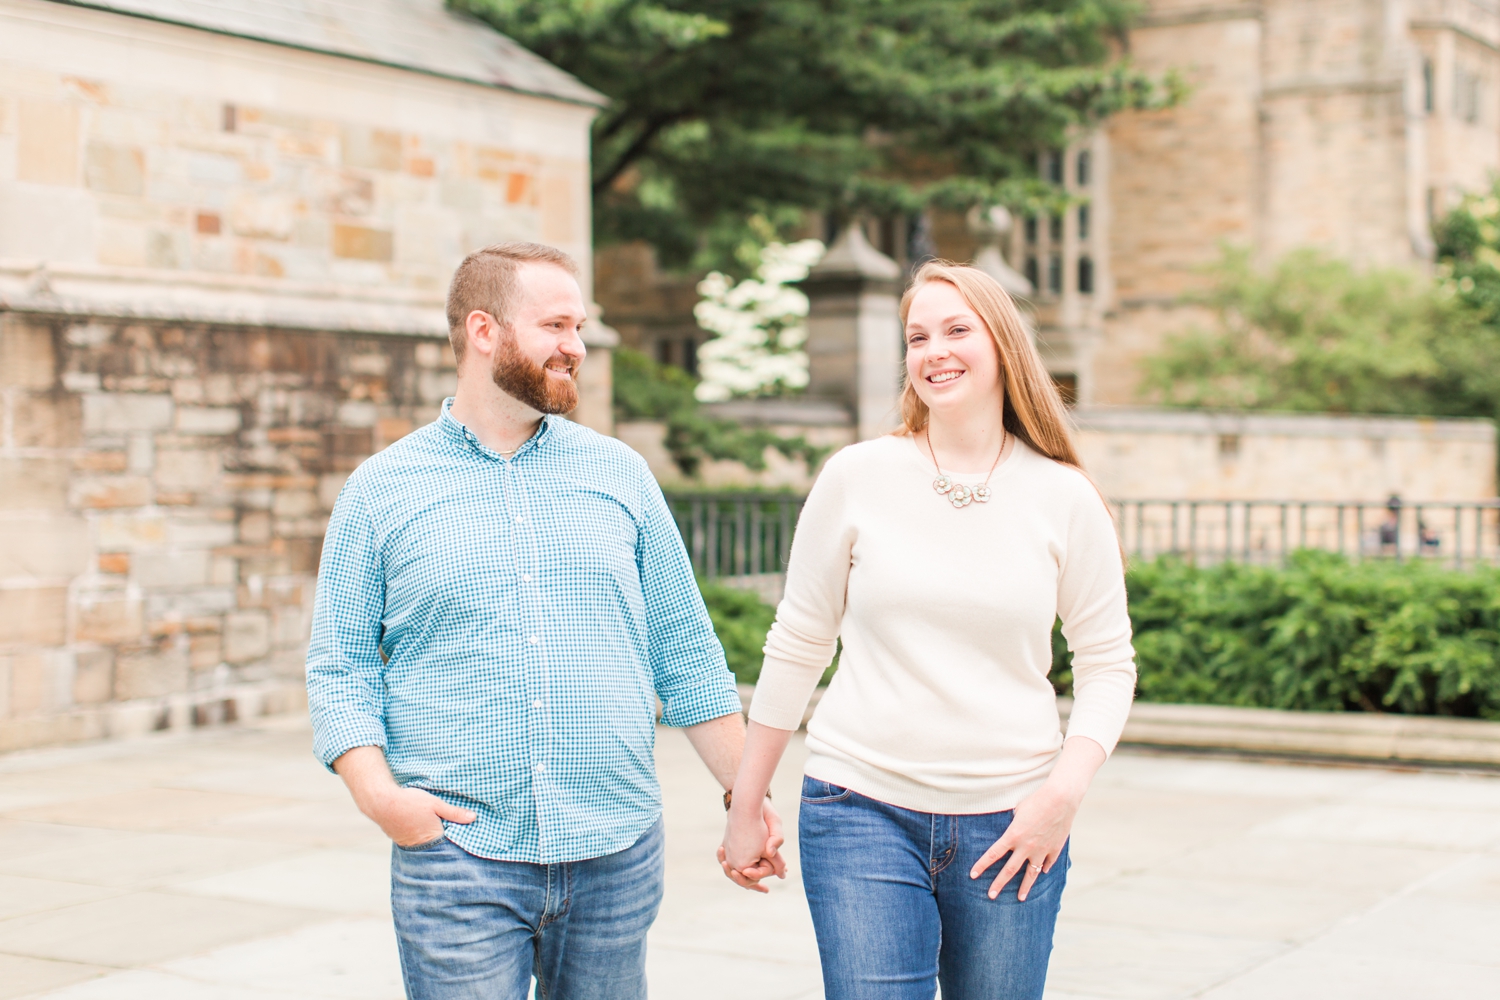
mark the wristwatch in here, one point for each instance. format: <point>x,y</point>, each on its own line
<point>729,797</point>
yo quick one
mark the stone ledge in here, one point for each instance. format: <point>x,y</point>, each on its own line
<point>124,719</point>
<point>1355,736</point>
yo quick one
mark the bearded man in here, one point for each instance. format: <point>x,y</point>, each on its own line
<point>503,596</point>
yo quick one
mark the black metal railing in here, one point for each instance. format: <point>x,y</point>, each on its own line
<point>1266,531</point>
<point>736,534</point>
<point>750,534</point>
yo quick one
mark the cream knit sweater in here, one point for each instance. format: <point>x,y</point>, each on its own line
<point>941,702</point>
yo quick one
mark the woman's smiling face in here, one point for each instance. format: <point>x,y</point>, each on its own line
<point>951,358</point>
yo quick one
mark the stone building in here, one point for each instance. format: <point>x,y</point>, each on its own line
<point>226,233</point>
<point>1346,126</point>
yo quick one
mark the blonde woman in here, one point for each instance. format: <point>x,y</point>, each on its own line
<point>940,792</point>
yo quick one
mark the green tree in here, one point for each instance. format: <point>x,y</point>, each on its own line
<point>1316,334</point>
<point>724,111</point>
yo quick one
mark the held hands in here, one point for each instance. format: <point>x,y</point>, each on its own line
<point>752,843</point>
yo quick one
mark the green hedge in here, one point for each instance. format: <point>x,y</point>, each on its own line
<point>1321,634</point>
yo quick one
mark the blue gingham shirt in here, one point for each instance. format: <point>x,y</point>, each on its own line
<point>501,628</point>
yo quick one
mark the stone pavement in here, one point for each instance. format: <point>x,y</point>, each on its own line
<point>225,865</point>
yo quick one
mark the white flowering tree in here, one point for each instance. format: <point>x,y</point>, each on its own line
<point>760,325</point>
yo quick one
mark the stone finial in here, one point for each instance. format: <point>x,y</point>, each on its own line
<point>990,228</point>
<point>852,256</point>
<point>854,332</point>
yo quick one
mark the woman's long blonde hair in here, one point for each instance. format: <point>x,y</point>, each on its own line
<point>1033,410</point>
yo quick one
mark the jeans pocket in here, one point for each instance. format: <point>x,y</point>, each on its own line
<point>425,846</point>
<point>816,791</point>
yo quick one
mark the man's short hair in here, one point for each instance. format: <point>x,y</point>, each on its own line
<point>487,281</point>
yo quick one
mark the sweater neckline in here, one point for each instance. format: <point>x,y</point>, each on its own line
<point>1001,471</point>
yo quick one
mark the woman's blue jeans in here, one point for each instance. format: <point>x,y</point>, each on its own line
<point>896,912</point>
<point>474,929</point>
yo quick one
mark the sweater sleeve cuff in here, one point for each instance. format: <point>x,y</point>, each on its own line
<point>782,694</point>
<point>1101,719</point>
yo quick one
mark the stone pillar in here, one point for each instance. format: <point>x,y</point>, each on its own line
<point>854,332</point>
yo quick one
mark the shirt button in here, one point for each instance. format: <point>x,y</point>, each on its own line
<point>534,639</point>
<point>525,577</point>
<point>541,768</point>
<point>537,703</point>
<point>518,518</point>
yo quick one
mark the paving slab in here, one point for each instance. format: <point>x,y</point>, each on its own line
<point>228,865</point>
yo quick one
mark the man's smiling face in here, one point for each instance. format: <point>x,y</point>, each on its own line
<point>538,358</point>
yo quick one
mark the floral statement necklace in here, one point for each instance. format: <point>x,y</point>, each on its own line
<point>956,493</point>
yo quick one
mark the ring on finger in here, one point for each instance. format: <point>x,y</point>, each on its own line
<point>1036,868</point>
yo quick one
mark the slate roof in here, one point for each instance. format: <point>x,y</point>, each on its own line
<point>420,35</point>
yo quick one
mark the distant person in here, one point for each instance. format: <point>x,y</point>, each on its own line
<point>1390,528</point>
<point>502,598</point>
<point>940,791</point>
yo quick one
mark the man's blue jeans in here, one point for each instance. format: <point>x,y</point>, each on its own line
<point>471,928</point>
<point>896,912</point>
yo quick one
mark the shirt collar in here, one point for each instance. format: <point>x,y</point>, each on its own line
<point>456,430</point>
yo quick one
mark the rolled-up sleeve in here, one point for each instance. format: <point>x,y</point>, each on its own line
<point>687,662</point>
<point>344,665</point>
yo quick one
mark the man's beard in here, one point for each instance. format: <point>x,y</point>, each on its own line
<point>524,380</point>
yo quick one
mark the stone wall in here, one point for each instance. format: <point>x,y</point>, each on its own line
<point>164,489</point>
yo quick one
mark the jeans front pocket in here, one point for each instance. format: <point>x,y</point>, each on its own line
<point>816,791</point>
<point>424,846</point>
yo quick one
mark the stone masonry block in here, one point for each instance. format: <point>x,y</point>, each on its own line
<point>117,412</point>
<point>150,673</point>
<point>107,617</point>
<point>93,676</point>
<point>114,169</point>
<point>51,420</point>
<point>207,420</point>
<point>130,532</point>
<point>97,492</point>
<point>27,357</point>
<point>171,568</point>
<point>32,682</point>
<point>33,616</point>
<point>361,243</point>
<point>247,636</point>
<point>436,386</point>
<point>191,471</point>
<point>33,483</point>
<point>52,548</point>
<point>358,413</point>
<point>197,532</point>
<point>47,142</point>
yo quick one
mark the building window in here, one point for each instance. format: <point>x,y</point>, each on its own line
<point>1067,387</point>
<point>1427,86</point>
<point>690,356</point>
<point>1086,275</point>
<point>664,352</point>
<point>1031,229</point>
<point>1082,169</point>
<point>1052,164</point>
<point>1466,90</point>
<point>1054,274</point>
<point>1031,271</point>
<point>1083,222</point>
<point>1054,228</point>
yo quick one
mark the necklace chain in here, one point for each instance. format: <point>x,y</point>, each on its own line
<point>956,493</point>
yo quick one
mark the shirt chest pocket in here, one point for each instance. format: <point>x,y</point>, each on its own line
<point>586,533</point>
